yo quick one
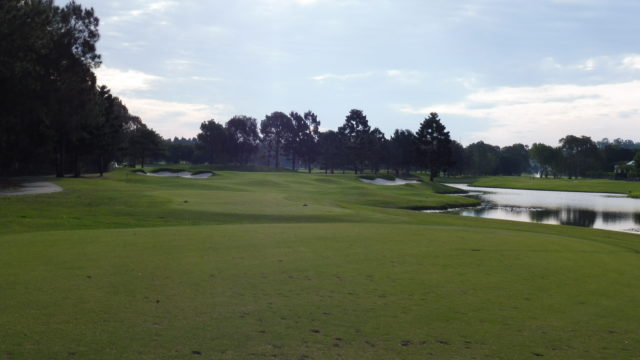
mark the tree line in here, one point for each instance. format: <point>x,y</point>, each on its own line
<point>295,140</point>
<point>53,117</point>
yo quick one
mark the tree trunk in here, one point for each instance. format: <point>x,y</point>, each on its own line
<point>277,155</point>
<point>293,161</point>
<point>101,165</point>
<point>76,165</point>
<point>60,161</point>
<point>269,154</point>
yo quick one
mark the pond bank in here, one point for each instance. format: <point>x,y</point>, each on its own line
<point>605,211</point>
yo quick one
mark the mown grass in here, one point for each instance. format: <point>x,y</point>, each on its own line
<point>237,267</point>
<point>631,188</point>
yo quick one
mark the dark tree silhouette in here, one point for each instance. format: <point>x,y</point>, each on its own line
<point>331,149</point>
<point>242,138</point>
<point>143,143</point>
<point>458,164</point>
<point>72,95</point>
<point>482,159</point>
<point>212,140</point>
<point>275,128</point>
<point>182,150</point>
<point>514,160</point>
<point>377,144</point>
<point>356,131</point>
<point>548,158</point>
<point>107,132</point>
<point>309,148</point>
<point>402,151</point>
<point>581,154</point>
<point>434,145</point>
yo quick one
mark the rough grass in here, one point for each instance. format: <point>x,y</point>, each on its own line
<point>631,188</point>
<point>237,267</point>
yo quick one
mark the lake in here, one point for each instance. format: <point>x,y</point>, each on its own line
<point>597,210</point>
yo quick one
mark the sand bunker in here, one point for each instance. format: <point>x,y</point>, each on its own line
<point>182,174</point>
<point>30,187</point>
<point>389,182</point>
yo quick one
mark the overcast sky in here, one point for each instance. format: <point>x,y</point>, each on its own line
<point>502,71</point>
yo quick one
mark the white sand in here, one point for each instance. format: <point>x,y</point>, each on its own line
<point>389,182</point>
<point>31,187</point>
<point>182,174</point>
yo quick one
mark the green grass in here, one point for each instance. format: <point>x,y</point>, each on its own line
<point>631,188</point>
<point>237,267</point>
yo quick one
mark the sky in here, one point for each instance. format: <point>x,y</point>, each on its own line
<point>501,71</point>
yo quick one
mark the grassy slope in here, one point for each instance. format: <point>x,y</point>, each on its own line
<point>631,188</point>
<point>127,275</point>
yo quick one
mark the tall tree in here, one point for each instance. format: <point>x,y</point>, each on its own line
<point>377,144</point>
<point>482,159</point>
<point>434,144</point>
<point>356,131</point>
<point>71,94</point>
<point>212,140</point>
<point>514,160</point>
<point>402,149</point>
<point>293,140</point>
<point>331,148</point>
<point>548,158</point>
<point>458,164</point>
<point>26,37</point>
<point>181,149</point>
<point>107,131</point>
<point>143,143</point>
<point>303,138</point>
<point>274,129</point>
<point>581,154</point>
<point>242,138</point>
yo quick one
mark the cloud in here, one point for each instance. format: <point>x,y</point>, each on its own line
<point>171,118</point>
<point>125,81</point>
<point>405,76</point>
<point>468,82</point>
<point>631,62</point>
<point>273,3</point>
<point>619,63</point>
<point>341,77</point>
<point>547,113</point>
<point>205,78</point>
<point>153,7</point>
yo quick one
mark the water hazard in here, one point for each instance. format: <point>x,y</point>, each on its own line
<point>596,210</point>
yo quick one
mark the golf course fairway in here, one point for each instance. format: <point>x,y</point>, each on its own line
<point>276,265</point>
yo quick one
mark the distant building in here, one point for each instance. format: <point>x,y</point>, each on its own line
<point>621,171</point>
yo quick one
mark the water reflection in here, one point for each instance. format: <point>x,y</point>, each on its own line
<point>544,215</point>
<point>614,217</point>
<point>603,211</point>
<point>577,217</point>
